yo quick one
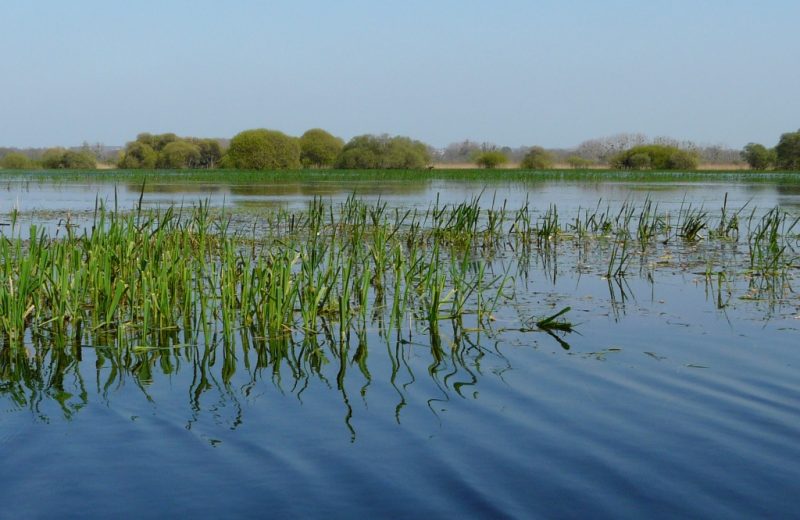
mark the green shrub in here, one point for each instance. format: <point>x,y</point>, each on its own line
<point>263,149</point>
<point>490,159</point>
<point>758,156</point>
<point>639,161</point>
<point>537,158</point>
<point>682,160</point>
<point>58,158</point>
<point>138,155</point>
<point>179,154</point>
<point>662,157</point>
<point>16,161</point>
<point>319,148</point>
<point>787,151</point>
<point>383,152</point>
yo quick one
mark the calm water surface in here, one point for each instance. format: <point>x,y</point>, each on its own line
<point>663,404</point>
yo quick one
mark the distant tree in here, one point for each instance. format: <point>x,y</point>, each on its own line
<point>52,158</point>
<point>662,157</point>
<point>138,155</point>
<point>364,152</point>
<point>787,151</point>
<point>57,158</point>
<point>156,141</point>
<point>383,152</point>
<point>537,158</point>
<point>463,152</point>
<point>178,154</point>
<point>406,153</point>
<point>639,161</point>
<point>79,160</point>
<point>16,161</point>
<point>210,153</point>
<point>263,149</point>
<point>758,156</point>
<point>490,159</point>
<point>605,148</point>
<point>319,148</point>
<point>682,160</point>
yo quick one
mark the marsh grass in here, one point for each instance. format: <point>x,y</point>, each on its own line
<point>312,293</point>
<point>353,177</point>
<point>335,270</point>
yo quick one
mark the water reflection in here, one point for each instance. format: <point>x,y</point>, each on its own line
<point>228,375</point>
<point>53,194</point>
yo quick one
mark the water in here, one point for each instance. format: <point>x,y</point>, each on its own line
<point>663,404</point>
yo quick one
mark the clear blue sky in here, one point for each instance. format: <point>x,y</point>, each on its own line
<point>513,72</point>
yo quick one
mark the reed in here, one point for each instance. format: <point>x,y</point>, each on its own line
<point>191,270</point>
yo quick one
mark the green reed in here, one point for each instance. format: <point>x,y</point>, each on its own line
<point>335,268</point>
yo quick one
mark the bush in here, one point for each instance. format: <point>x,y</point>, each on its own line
<point>138,155</point>
<point>319,149</point>
<point>490,159</point>
<point>383,152</point>
<point>179,154</point>
<point>682,160</point>
<point>263,149</point>
<point>158,141</point>
<point>662,157</point>
<point>787,151</point>
<point>758,156</point>
<point>58,158</point>
<point>639,161</point>
<point>210,153</point>
<point>16,161</point>
<point>537,158</point>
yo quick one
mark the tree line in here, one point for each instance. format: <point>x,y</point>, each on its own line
<point>784,156</point>
<point>263,149</point>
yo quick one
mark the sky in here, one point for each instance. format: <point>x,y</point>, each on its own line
<point>510,72</point>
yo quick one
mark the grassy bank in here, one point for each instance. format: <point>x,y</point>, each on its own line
<point>465,175</point>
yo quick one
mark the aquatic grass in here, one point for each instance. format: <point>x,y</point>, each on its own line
<point>152,272</point>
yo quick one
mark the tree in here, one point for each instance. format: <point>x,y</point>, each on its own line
<point>52,158</point>
<point>210,153</point>
<point>262,149</point>
<point>179,154</point>
<point>363,152</point>
<point>639,161</point>
<point>319,148</point>
<point>81,160</point>
<point>758,156</point>
<point>682,160</point>
<point>406,154</point>
<point>787,151</point>
<point>490,159</point>
<point>57,158</point>
<point>156,141</point>
<point>383,152</point>
<point>463,152</point>
<point>662,157</point>
<point>138,155</point>
<point>537,158</point>
<point>16,161</point>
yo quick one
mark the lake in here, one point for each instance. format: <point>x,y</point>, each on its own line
<point>674,392</point>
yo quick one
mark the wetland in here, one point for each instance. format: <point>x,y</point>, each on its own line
<point>405,344</point>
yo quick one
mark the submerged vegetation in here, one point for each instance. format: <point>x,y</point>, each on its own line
<point>317,287</point>
<point>285,273</point>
